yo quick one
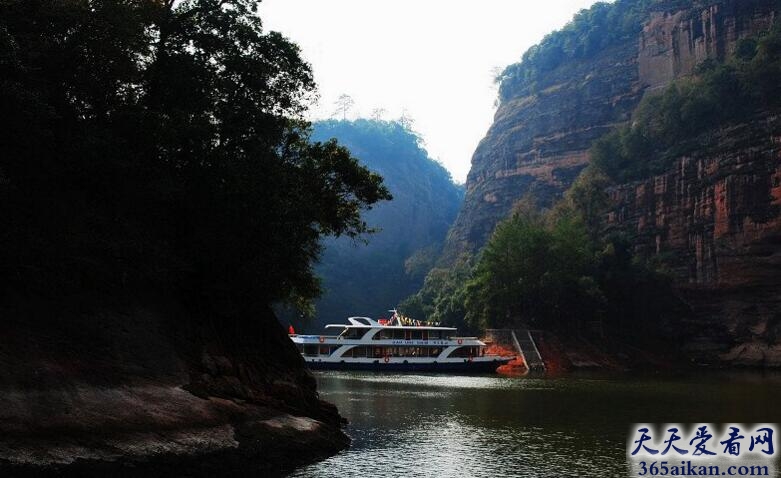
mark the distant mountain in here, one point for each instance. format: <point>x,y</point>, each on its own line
<point>369,278</point>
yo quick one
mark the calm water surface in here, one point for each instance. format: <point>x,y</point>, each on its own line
<point>405,425</point>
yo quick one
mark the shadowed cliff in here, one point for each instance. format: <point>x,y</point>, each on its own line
<point>369,278</point>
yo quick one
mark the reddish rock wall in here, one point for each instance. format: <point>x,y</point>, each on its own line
<point>715,219</point>
<point>673,43</point>
<point>538,143</point>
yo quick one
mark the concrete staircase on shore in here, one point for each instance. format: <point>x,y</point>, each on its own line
<point>521,340</point>
<point>524,342</point>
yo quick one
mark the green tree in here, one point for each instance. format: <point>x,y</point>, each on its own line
<point>343,105</point>
<point>160,145</point>
<point>534,271</point>
<point>556,270</point>
<point>591,30</point>
<point>442,297</point>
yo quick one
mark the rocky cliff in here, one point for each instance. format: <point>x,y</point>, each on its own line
<point>539,140</point>
<point>674,41</point>
<point>714,216</point>
<point>716,219</point>
<point>119,387</point>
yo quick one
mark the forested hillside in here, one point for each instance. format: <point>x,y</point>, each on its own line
<point>369,277</point>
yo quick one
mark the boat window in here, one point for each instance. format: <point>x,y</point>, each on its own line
<point>411,352</point>
<point>356,352</point>
<point>465,352</point>
<point>310,350</point>
<point>384,334</point>
<point>353,333</point>
<point>326,350</point>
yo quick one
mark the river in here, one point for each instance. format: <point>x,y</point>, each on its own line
<point>405,425</point>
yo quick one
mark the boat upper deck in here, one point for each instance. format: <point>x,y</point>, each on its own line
<point>368,323</point>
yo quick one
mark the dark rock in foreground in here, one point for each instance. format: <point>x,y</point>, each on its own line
<point>118,390</point>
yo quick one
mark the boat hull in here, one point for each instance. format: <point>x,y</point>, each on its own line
<point>441,367</point>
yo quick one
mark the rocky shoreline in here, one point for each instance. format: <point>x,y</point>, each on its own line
<point>115,392</point>
<point>154,430</point>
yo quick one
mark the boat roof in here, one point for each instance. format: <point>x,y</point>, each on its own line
<point>368,323</point>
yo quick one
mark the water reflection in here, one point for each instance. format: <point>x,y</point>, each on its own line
<point>488,426</point>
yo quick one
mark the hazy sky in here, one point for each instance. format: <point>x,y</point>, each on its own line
<point>433,59</point>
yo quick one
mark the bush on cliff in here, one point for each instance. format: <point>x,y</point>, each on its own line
<point>590,31</point>
<point>677,121</point>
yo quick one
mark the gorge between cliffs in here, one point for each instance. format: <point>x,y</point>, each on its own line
<point>168,214</point>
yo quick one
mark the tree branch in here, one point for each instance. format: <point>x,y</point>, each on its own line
<point>202,9</point>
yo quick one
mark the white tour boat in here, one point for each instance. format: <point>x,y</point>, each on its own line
<point>397,344</point>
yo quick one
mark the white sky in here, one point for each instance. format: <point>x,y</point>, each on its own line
<point>433,59</point>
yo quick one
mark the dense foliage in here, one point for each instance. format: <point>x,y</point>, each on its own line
<point>556,271</point>
<point>362,278</point>
<point>679,120</point>
<point>158,145</point>
<point>534,270</point>
<point>441,298</point>
<point>590,31</point>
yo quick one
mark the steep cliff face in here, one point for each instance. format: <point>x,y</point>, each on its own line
<point>674,41</point>
<point>538,143</point>
<point>714,217</point>
<point>540,137</point>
